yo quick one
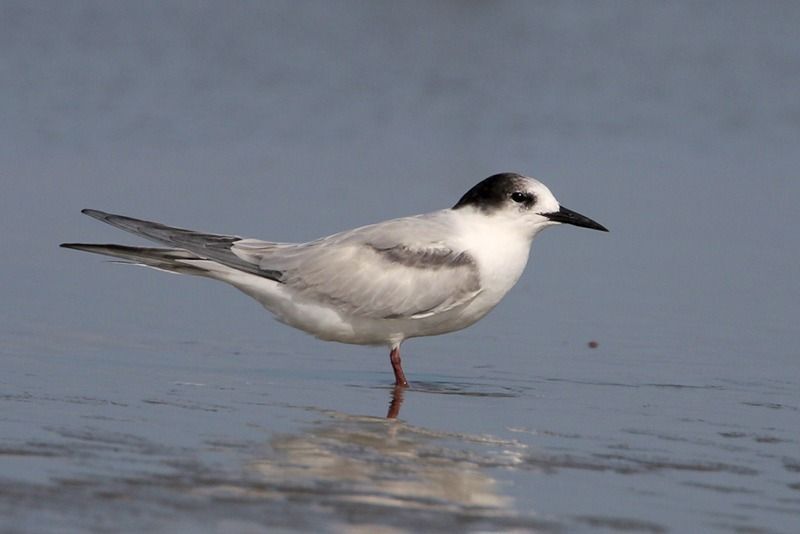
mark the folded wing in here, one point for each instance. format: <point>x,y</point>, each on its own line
<point>397,269</point>
<point>402,268</point>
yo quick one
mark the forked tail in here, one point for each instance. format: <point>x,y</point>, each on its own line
<point>172,260</point>
<point>189,252</point>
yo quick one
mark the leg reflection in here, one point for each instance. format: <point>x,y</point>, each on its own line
<point>397,400</point>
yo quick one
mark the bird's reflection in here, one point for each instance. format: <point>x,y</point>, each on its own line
<point>367,461</point>
<point>396,402</point>
<point>397,393</point>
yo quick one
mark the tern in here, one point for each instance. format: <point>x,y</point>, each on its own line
<point>379,284</point>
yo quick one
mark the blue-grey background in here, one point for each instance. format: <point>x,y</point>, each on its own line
<point>171,403</point>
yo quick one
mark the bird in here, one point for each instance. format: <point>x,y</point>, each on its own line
<point>379,284</point>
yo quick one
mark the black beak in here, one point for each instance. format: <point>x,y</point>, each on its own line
<point>567,216</point>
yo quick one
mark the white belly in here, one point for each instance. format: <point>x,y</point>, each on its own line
<point>328,323</point>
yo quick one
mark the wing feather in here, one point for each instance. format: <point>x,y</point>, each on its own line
<point>397,269</point>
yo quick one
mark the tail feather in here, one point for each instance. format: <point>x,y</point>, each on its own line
<point>166,259</point>
<point>216,247</point>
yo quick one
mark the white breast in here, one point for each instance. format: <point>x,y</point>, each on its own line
<point>501,252</point>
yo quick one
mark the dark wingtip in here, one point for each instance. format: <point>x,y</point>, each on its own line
<point>97,214</point>
<point>74,246</point>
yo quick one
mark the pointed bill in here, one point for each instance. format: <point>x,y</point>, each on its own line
<point>567,216</point>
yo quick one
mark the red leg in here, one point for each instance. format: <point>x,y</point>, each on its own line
<point>399,375</point>
<point>397,401</point>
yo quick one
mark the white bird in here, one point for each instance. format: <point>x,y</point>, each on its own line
<point>378,284</point>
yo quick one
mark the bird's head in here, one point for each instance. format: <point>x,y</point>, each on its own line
<point>525,203</point>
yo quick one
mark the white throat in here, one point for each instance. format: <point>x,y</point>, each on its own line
<point>499,246</point>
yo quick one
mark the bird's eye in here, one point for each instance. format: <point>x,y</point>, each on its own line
<point>520,197</point>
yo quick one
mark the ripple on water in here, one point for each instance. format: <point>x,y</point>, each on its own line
<point>343,470</point>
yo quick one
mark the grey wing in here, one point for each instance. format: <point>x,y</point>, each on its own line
<point>396,269</point>
<point>216,247</point>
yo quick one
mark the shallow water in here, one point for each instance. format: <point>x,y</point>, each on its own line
<point>252,444</point>
<point>131,400</point>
